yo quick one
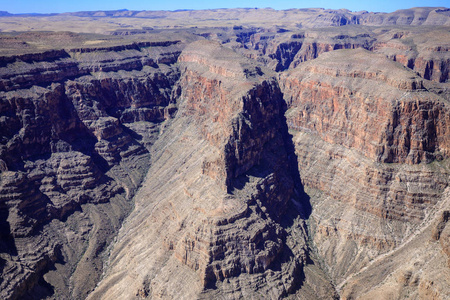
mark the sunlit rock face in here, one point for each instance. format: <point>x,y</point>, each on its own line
<point>173,157</point>
<point>74,151</point>
<point>219,191</point>
<point>372,148</point>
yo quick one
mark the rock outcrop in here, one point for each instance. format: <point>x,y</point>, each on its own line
<point>307,17</point>
<point>175,158</point>
<point>72,157</point>
<point>362,126</point>
<point>423,50</point>
<point>223,226</point>
<point>381,109</point>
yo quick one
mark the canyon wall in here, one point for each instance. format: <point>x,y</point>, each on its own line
<point>272,161</point>
<point>422,49</point>
<point>74,151</point>
<point>372,148</point>
<point>219,190</point>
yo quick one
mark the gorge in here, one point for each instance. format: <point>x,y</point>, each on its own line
<point>213,155</point>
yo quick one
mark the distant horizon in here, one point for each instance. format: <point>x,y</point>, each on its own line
<point>218,8</point>
<point>64,6</point>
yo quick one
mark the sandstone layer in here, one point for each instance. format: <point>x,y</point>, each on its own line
<point>225,161</point>
<point>362,126</point>
<point>208,154</point>
<point>72,157</point>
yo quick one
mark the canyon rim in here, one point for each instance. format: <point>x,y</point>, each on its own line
<point>225,154</point>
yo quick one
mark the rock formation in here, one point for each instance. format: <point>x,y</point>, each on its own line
<point>70,162</point>
<point>354,184</point>
<point>225,161</point>
<point>187,159</point>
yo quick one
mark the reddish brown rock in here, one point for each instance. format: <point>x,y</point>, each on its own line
<point>370,210</point>
<point>398,123</point>
<point>225,162</point>
<point>425,52</point>
<point>69,166</point>
<point>83,118</point>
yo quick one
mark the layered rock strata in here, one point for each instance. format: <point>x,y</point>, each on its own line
<point>363,128</point>
<point>423,50</point>
<point>73,153</point>
<point>222,212</point>
<point>212,211</point>
<point>381,109</point>
<point>258,17</point>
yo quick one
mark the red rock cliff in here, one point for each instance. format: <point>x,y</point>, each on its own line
<point>218,191</point>
<point>382,110</point>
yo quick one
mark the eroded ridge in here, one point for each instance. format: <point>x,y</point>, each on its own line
<point>218,191</point>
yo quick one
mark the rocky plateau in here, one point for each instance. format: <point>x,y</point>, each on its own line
<point>210,155</point>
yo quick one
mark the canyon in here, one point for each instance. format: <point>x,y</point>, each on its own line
<point>211,155</point>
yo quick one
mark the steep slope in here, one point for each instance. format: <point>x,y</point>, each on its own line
<point>212,211</point>
<point>362,125</point>
<point>417,269</point>
<point>361,112</point>
<point>425,52</point>
<point>73,153</point>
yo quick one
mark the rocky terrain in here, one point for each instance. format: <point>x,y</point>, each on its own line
<point>204,155</point>
<point>125,22</point>
<point>76,130</point>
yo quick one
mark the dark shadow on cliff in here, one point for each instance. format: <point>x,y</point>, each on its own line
<point>277,172</point>
<point>136,136</point>
<point>79,137</point>
<point>83,141</point>
<point>258,171</point>
<point>41,290</point>
<point>276,184</point>
<point>7,244</point>
<point>39,287</point>
<point>6,239</point>
<point>299,206</point>
<point>35,285</point>
<point>300,199</point>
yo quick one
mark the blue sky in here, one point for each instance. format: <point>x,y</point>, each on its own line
<point>56,6</point>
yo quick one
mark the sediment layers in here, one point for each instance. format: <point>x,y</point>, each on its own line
<point>70,162</point>
<point>371,204</point>
<point>360,113</point>
<point>211,209</point>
